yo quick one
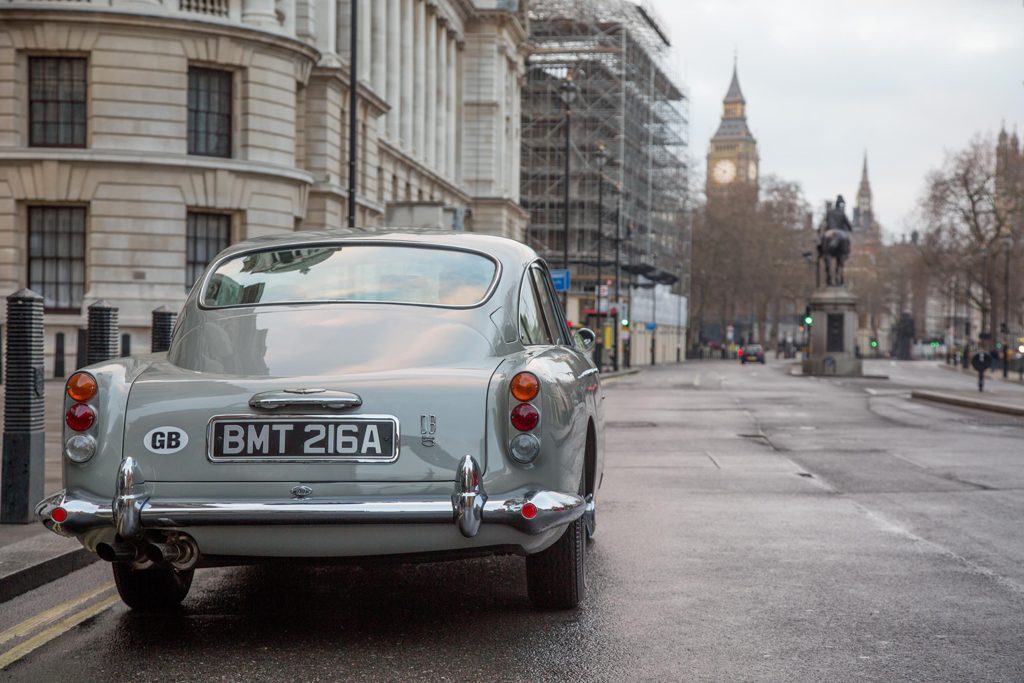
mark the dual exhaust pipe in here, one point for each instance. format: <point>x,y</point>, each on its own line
<point>180,551</point>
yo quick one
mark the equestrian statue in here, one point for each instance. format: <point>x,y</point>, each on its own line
<point>834,241</point>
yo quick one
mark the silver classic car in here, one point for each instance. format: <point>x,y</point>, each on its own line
<point>333,395</point>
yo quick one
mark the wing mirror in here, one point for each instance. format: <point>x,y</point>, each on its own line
<point>587,338</point>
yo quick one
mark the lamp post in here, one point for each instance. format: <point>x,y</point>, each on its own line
<point>602,159</point>
<point>353,105</point>
<point>1007,242</point>
<point>567,91</point>
<point>617,330</point>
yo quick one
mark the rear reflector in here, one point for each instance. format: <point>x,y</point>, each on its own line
<point>59,515</point>
<point>529,511</point>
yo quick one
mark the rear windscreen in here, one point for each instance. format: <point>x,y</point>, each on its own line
<point>358,272</point>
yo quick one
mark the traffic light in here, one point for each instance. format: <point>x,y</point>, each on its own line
<point>625,322</point>
<point>874,343</point>
<point>808,318</point>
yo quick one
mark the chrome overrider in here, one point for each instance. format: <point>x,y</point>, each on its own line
<point>133,510</point>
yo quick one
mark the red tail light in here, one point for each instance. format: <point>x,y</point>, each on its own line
<point>529,511</point>
<point>80,417</point>
<point>59,515</point>
<point>525,417</point>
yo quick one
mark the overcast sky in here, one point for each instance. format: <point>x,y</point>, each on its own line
<point>826,79</point>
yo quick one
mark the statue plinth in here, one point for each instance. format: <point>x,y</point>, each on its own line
<point>832,349</point>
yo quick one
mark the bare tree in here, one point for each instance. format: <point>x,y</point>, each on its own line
<point>967,220</point>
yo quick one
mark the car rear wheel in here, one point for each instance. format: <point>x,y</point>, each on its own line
<point>156,589</point>
<point>556,578</point>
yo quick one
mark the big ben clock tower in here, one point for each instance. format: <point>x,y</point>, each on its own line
<point>732,154</point>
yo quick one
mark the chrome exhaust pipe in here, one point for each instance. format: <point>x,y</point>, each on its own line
<point>117,552</point>
<point>181,553</point>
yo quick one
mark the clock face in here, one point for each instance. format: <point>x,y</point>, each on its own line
<point>724,171</point>
<point>752,171</point>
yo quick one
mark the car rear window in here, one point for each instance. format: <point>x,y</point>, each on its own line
<point>357,272</point>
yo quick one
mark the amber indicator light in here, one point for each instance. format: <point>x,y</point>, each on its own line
<point>81,386</point>
<point>525,386</point>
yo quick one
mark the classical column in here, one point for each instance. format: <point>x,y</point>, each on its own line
<point>441,130</point>
<point>454,92</point>
<point>326,27</point>
<point>420,45</point>
<point>259,12</point>
<point>393,74</point>
<point>365,39</point>
<point>429,139</point>
<point>407,75</point>
<point>380,47</point>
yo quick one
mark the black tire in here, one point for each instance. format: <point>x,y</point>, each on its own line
<point>156,589</point>
<point>556,578</point>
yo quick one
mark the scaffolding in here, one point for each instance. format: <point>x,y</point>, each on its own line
<point>616,53</point>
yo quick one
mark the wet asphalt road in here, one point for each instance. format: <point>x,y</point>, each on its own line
<point>752,527</point>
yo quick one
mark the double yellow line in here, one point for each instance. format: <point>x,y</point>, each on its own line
<point>59,614</point>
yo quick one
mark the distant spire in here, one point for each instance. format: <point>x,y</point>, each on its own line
<point>864,170</point>
<point>734,94</point>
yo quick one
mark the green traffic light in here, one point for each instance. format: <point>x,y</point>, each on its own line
<point>874,344</point>
<point>808,320</point>
<point>625,322</point>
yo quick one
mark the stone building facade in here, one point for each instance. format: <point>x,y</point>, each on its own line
<point>139,138</point>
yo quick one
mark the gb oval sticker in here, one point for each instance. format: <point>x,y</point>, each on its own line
<point>165,440</point>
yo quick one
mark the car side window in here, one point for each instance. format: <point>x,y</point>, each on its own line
<point>532,328</point>
<point>545,293</point>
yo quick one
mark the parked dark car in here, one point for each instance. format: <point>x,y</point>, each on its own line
<point>752,353</point>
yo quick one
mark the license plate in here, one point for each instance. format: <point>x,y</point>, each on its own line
<point>306,439</point>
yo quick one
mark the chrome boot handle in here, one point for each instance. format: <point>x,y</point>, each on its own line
<point>317,398</point>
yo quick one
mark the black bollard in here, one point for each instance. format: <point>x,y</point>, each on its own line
<point>163,326</point>
<point>103,338</point>
<point>82,348</point>
<point>58,355</point>
<point>22,472</point>
<point>126,345</point>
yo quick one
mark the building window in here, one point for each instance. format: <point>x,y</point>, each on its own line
<point>56,101</point>
<point>56,255</point>
<point>209,112</point>
<point>206,235</point>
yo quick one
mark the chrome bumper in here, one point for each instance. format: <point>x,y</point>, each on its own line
<point>133,511</point>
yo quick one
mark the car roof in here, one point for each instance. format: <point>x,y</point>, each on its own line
<point>502,248</point>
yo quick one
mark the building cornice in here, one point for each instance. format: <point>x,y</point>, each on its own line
<point>506,202</point>
<point>387,146</point>
<point>340,73</point>
<point>22,155</point>
<point>138,17</point>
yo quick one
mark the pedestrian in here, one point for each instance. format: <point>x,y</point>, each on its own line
<point>981,361</point>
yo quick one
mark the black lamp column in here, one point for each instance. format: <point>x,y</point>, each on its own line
<point>602,159</point>
<point>1006,309</point>
<point>567,92</point>
<point>353,103</point>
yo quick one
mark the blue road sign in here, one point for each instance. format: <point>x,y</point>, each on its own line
<point>560,276</point>
<point>651,327</point>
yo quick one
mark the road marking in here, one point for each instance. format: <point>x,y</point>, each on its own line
<point>37,641</point>
<point>30,624</point>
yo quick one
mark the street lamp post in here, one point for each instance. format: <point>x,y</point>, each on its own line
<point>1006,308</point>
<point>616,329</point>
<point>602,159</point>
<point>567,91</point>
